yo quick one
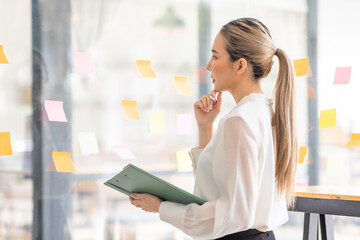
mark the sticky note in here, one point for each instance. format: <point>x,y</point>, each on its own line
<point>183,161</point>
<point>43,115</point>
<point>354,140</point>
<point>145,68</point>
<point>202,73</point>
<point>50,167</point>
<point>184,124</point>
<point>3,58</point>
<point>123,151</point>
<point>309,72</point>
<point>302,153</point>
<point>130,109</point>
<point>335,166</point>
<point>62,161</point>
<point>5,144</point>
<point>342,75</point>
<point>84,63</point>
<point>156,121</point>
<point>311,93</point>
<point>55,111</point>
<point>327,118</point>
<point>301,184</point>
<point>88,143</point>
<point>182,85</point>
<point>301,67</point>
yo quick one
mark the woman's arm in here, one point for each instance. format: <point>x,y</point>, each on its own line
<point>206,112</point>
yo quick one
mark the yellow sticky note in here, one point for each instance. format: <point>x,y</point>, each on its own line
<point>62,161</point>
<point>130,109</point>
<point>301,67</point>
<point>327,118</point>
<point>182,85</point>
<point>5,144</point>
<point>354,140</point>
<point>335,166</point>
<point>3,58</point>
<point>183,161</point>
<point>145,68</point>
<point>156,121</point>
<point>302,153</point>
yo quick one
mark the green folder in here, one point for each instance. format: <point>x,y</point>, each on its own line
<point>135,180</point>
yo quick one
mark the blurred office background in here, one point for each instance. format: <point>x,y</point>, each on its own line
<point>39,39</point>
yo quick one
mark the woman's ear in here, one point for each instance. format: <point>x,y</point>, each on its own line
<point>241,66</point>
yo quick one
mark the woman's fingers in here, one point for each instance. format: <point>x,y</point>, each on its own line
<point>205,103</point>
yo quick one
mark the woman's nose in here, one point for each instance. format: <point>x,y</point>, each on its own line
<point>208,66</point>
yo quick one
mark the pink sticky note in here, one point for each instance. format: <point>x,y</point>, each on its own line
<point>83,63</point>
<point>184,124</point>
<point>55,111</point>
<point>43,116</point>
<point>123,152</point>
<point>342,75</point>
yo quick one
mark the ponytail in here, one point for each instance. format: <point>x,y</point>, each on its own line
<point>285,138</point>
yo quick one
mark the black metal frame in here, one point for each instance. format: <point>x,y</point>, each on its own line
<point>319,211</point>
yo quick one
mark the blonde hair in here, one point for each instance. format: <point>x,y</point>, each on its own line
<point>250,39</point>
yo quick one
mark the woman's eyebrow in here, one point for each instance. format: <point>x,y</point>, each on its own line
<point>214,51</point>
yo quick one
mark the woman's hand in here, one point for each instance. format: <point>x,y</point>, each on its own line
<point>146,202</point>
<point>206,110</point>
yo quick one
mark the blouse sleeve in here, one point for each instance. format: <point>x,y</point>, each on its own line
<point>235,171</point>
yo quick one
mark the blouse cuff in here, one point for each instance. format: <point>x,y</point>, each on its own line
<point>173,213</point>
<point>194,155</point>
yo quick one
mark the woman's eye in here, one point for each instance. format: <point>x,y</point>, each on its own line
<point>213,57</point>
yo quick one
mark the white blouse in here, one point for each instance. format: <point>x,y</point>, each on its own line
<point>235,173</point>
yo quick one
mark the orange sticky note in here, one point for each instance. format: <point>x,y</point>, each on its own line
<point>62,161</point>
<point>183,161</point>
<point>302,67</point>
<point>5,144</point>
<point>182,85</point>
<point>327,118</point>
<point>145,68</point>
<point>311,93</point>
<point>156,121</point>
<point>302,153</point>
<point>130,109</point>
<point>3,58</point>
<point>354,140</point>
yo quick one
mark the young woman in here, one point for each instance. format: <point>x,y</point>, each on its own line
<point>246,169</point>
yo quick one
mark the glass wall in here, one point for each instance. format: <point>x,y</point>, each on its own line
<point>82,54</point>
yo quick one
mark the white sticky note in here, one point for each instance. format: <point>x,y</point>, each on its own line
<point>88,143</point>
<point>123,151</point>
<point>335,166</point>
<point>184,124</point>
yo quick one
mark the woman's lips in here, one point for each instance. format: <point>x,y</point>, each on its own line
<point>213,81</point>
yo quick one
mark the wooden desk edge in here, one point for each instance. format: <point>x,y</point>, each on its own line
<point>327,196</point>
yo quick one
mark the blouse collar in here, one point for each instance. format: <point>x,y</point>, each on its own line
<point>254,97</point>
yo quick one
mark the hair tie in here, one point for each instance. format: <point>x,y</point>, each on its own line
<point>276,51</point>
